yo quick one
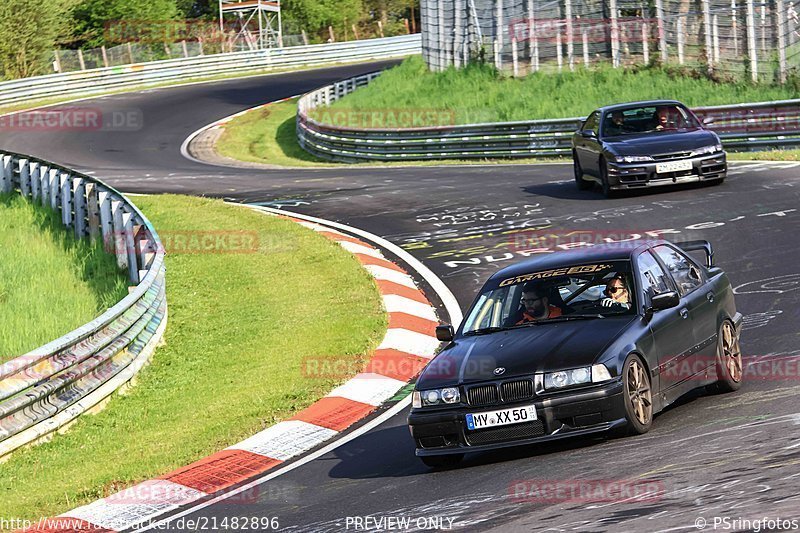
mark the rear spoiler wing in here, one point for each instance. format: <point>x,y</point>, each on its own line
<point>693,246</point>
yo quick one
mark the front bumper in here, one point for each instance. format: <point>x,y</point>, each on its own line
<point>640,175</point>
<point>561,415</point>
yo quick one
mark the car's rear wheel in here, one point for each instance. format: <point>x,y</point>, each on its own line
<point>638,396</point>
<point>442,461</point>
<point>579,181</point>
<point>607,192</point>
<point>729,359</point>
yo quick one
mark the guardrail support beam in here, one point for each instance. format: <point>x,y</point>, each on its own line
<point>24,178</point>
<point>7,183</point>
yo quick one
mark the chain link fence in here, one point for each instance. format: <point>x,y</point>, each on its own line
<point>736,39</point>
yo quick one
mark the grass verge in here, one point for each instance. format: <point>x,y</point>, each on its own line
<point>50,282</point>
<point>479,94</point>
<point>240,327</point>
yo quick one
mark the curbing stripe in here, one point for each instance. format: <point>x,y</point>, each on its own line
<point>285,440</point>
<point>369,260</point>
<point>409,342</point>
<point>412,323</point>
<point>393,276</point>
<point>136,504</point>
<point>401,304</point>
<point>221,470</point>
<point>360,249</point>
<point>367,388</point>
<point>334,413</point>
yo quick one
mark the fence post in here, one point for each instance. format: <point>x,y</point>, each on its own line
<point>534,41</point>
<point>585,42</point>
<point>781,23</point>
<point>58,61</point>
<point>662,34</point>
<point>559,51</point>
<point>120,248</point>
<point>79,201</point>
<point>751,40</point>
<point>707,33</point>
<point>498,59</point>
<point>305,37</point>
<point>645,43</point>
<point>514,57</point>
<point>763,27</point>
<point>734,29</point>
<point>380,28</point>
<point>80,59</point>
<point>66,199</point>
<point>106,222</point>
<point>105,55</point>
<point>570,44</point>
<point>715,37</point>
<point>679,30</point>
<point>7,183</point>
<point>36,180</point>
<point>456,33</point>
<point>130,248</point>
<point>24,178</point>
<point>614,34</point>
<point>54,185</point>
<point>130,53</point>
<point>44,185</point>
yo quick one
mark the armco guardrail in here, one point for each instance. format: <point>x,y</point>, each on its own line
<point>104,79</point>
<point>47,388</point>
<point>750,126</point>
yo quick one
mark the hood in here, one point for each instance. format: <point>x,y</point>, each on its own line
<point>523,351</point>
<point>661,142</point>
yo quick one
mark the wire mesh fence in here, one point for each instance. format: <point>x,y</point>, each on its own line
<point>737,39</point>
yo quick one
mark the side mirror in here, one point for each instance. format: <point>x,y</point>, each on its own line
<point>445,333</point>
<point>666,300</point>
<point>708,120</point>
<point>588,134</point>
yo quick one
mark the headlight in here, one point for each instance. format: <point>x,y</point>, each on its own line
<point>425,398</point>
<point>633,158</point>
<point>711,149</point>
<point>576,376</point>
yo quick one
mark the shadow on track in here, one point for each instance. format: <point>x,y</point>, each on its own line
<point>568,191</point>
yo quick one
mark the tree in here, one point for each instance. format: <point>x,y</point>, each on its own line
<point>315,16</point>
<point>94,21</point>
<point>29,30</point>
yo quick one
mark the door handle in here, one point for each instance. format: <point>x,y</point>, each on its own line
<point>684,313</point>
<point>710,296</point>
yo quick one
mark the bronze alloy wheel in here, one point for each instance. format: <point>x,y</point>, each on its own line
<point>639,394</point>
<point>731,354</point>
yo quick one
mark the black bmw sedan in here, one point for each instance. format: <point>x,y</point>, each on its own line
<point>575,343</point>
<point>645,144</point>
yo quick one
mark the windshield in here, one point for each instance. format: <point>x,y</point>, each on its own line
<point>587,291</point>
<point>648,119</point>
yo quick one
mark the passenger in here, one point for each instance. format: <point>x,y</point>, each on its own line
<point>616,293</point>
<point>662,118</point>
<point>617,125</point>
<point>536,305</point>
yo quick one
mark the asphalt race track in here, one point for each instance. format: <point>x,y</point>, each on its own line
<point>733,455</point>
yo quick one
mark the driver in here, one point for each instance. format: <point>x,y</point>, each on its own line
<point>662,118</point>
<point>616,293</point>
<point>536,305</point>
<point>617,124</point>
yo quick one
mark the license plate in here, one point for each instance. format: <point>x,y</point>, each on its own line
<point>502,417</point>
<point>673,166</point>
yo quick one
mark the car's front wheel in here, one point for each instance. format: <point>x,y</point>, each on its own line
<point>638,396</point>
<point>729,359</point>
<point>607,192</point>
<point>579,181</point>
<point>442,461</point>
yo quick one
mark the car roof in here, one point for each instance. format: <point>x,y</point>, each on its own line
<point>600,252</point>
<point>628,105</point>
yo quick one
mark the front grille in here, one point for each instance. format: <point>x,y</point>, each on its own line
<point>513,391</point>
<point>674,155</point>
<point>482,395</point>
<point>517,431</point>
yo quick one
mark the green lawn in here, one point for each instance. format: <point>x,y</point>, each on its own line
<point>240,326</point>
<point>478,94</point>
<point>50,282</point>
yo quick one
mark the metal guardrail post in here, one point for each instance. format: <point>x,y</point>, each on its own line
<point>24,178</point>
<point>7,183</point>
